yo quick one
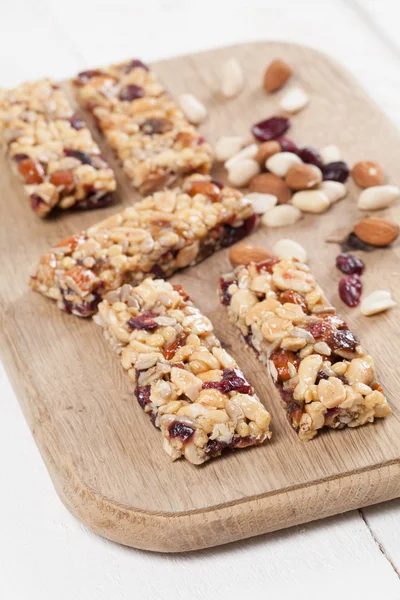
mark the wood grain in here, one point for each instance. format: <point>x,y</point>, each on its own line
<point>104,457</point>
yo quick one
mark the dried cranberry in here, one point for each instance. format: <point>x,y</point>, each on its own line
<point>213,447</point>
<point>82,156</point>
<point>131,92</point>
<point>353,242</point>
<point>287,145</point>
<point>342,339</point>
<point>232,380</point>
<point>350,290</point>
<point>134,64</point>
<point>180,430</point>
<point>157,271</point>
<point>76,121</point>
<point>95,200</point>
<point>36,202</point>
<point>231,235</point>
<point>310,156</point>
<point>349,264</point>
<point>321,375</point>
<point>224,285</point>
<point>19,157</point>
<point>320,330</point>
<point>270,129</point>
<point>143,395</point>
<point>217,183</point>
<point>335,171</point>
<point>152,126</point>
<point>144,321</point>
<point>84,76</point>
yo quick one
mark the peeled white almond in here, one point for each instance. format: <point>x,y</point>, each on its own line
<point>294,100</point>
<point>286,248</point>
<point>330,154</point>
<point>262,203</point>
<point>227,146</point>
<point>232,79</point>
<point>193,109</point>
<point>248,152</point>
<point>378,196</point>
<point>280,163</point>
<point>376,302</point>
<point>281,216</point>
<point>242,171</point>
<point>334,190</point>
<point>312,201</point>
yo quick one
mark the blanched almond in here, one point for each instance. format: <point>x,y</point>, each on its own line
<point>312,201</point>
<point>294,100</point>
<point>243,254</point>
<point>268,183</point>
<point>232,79</point>
<point>376,302</point>
<point>330,154</point>
<point>279,164</point>
<point>303,176</point>
<point>281,216</point>
<point>334,190</point>
<point>262,203</point>
<point>276,75</point>
<point>377,197</point>
<point>193,109</point>
<point>286,248</point>
<point>248,152</point>
<point>227,146</point>
<point>267,149</point>
<point>242,171</point>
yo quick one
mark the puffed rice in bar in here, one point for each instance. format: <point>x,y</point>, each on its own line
<point>191,387</point>
<point>157,236</point>
<point>147,131</point>
<point>52,150</point>
<point>324,376</point>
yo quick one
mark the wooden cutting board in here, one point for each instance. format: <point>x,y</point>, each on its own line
<point>103,455</point>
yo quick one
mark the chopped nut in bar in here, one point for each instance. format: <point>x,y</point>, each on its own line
<point>155,237</point>
<point>148,132</point>
<point>51,149</point>
<point>192,388</point>
<point>324,376</point>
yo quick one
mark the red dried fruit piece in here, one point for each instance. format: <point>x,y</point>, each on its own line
<point>204,187</point>
<point>131,92</point>
<point>224,285</point>
<point>170,349</point>
<point>294,298</point>
<point>64,178</point>
<point>180,430</point>
<point>349,264</point>
<point>96,200</point>
<point>281,359</point>
<point>134,64</point>
<point>335,171</point>
<point>84,76</point>
<point>143,395</point>
<point>82,156</point>
<point>232,235</point>
<point>213,447</point>
<point>353,242</point>
<point>342,339</point>
<point>232,380</point>
<point>266,265</point>
<point>152,126</point>
<point>287,145</point>
<point>270,129</point>
<point>76,121</point>
<point>144,321</point>
<point>178,288</point>
<point>350,290</point>
<point>36,203</point>
<point>19,157</point>
<point>310,156</point>
<point>31,171</point>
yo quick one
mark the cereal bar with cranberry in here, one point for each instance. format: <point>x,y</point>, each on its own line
<point>155,237</point>
<point>51,149</point>
<point>192,388</point>
<point>324,376</point>
<point>147,131</point>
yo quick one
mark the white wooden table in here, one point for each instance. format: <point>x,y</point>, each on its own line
<point>44,552</point>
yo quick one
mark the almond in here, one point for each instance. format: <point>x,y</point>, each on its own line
<point>276,75</point>
<point>368,173</point>
<point>268,183</point>
<point>377,232</point>
<point>243,254</point>
<point>303,177</point>
<point>267,149</point>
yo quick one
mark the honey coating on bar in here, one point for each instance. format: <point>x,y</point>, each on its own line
<point>148,132</point>
<point>324,376</point>
<point>192,388</point>
<point>155,237</point>
<point>51,149</point>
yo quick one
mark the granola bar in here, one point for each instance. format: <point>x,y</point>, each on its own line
<point>191,387</point>
<point>324,376</point>
<point>157,236</point>
<point>147,131</point>
<point>52,150</point>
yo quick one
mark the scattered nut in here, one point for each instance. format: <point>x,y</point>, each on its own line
<point>248,152</point>
<point>376,302</point>
<point>330,154</point>
<point>368,173</point>
<point>379,196</point>
<point>232,79</point>
<point>267,149</point>
<point>243,254</point>
<point>377,232</point>
<point>262,203</point>
<point>276,75</point>
<point>334,190</point>
<point>281,216</point>
<point>286,248</point>
<point>294,100</point>
<point>227,146</point>
<point>242,171</point>
<point>303,176</point>
<point>267,183</point>
<point>279,164</point>
<point>313,201</point>
<point>193,109</point>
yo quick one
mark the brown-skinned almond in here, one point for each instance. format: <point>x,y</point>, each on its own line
<point>377,232</point>
<point>303,177</point>
<point>276,75</point>
<point>243,254</point>
<point>268,183</point>
<point>267,149</point>
<point>368,173</point>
